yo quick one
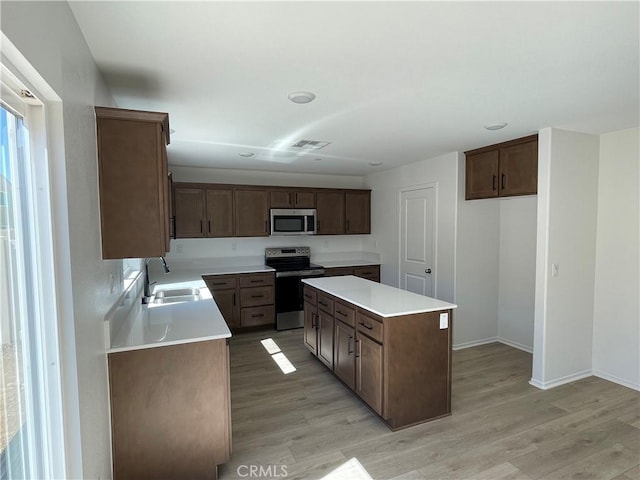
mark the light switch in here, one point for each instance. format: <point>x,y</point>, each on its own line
<point>554,269</point>
<point>444,321</point>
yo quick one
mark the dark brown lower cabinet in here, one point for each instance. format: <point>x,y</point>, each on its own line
<point>325,338</point>
<point>369,372</point>
<point>310,327</point>
<point>344,362</point>
<point>170,411</point>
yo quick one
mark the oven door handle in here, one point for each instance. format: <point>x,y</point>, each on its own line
<point>300,273</point>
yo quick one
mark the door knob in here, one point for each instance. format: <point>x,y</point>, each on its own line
<point>427,270</point>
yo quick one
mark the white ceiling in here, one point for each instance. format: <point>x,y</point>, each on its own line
<point>395,82</point>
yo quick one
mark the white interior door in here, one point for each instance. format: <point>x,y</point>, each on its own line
<point>417,211</point>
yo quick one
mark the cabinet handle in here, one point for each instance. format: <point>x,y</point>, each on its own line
<point>307,296</point>
<point>503,181</point>
<point>493,183</point>
<point>219,283</point>
<point>256,315</point>
<point>173,220</point>
<point>342,314</point>
<point>209,225</point>
<point>357,348</point>
<point>313,320</point>
<point>349,351</point>
<point>234,299</point>
<point>347,226</point>
<point>201,226</point>
<point>255,281</point>
<point>366,326</point>
<point>323,304</point>
<point>266,226</point>
<point>289,198</point>
<point>257,296</point>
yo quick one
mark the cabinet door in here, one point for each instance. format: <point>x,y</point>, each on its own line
<point>251,209</point>
<point>519,169</point>
<point>280,199</point>
<point>330,211</point>
<point>189,203</point>
<point>482,174</point>
<point>172,215</point>
<point>132,179</point>
<point>357,212</point>
<point>227,301</point>
<point>310,328</point>
<point>369,372</point>
<point>344,354</point>
<point>304,199</point>
<point>325,338</point>
<point>219,213</point>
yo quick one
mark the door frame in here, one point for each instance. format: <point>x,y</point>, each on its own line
<point>434,252</point>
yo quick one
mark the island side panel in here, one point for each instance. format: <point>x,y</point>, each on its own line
<point>417,368</point>
<point>169,409</point>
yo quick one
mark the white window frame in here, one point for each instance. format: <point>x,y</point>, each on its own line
<point>48,422</point>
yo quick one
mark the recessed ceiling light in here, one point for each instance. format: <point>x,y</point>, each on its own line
<point>301,97</point>
<point>246,154</point>
<point>375,164</point>
<point>496,126</point>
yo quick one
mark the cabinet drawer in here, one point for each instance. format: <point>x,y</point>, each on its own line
<point>345,313</point>
<point>338,271</point>
<point>370,273</point>
<point>370,327</point>
<point>325,303</point>
<point>220,282</point>
<point>251,317</point>
<point>256,280</point>
<point>250,297</point>
<point>310,295</point>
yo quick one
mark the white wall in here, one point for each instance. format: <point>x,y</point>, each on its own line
<point>385,221</point>
<point>566,232</point>
<point>517,271</point>
<point>616,324</point>
<point>46,34</point>
<point>477,268</point>
<point>251,177</point>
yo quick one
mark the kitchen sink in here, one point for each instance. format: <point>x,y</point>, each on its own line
<point>178,292</point>
<point>177,295</point>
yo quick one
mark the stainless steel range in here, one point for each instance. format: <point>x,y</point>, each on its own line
<point>292,264</point>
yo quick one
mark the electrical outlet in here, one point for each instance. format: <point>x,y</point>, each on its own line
<point>112,283</point>
<point>444,321</point>
<point>555,269</point>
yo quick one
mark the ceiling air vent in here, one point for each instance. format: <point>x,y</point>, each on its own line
<point>310,144</point>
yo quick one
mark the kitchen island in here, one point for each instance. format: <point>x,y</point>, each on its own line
<point>390,346</point>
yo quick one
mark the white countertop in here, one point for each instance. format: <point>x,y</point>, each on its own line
<point>173,323</point>
<point>382,300</point>
<point>347,263</point>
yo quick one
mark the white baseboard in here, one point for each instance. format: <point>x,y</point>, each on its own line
<point>517,345</point>
<point>475,343</point>
<point>560,381</point>
<point>618,380</point>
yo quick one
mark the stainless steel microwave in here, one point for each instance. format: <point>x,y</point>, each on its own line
<point>293,221</point>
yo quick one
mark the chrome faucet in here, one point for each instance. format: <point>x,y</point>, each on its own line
<point>147,286</point>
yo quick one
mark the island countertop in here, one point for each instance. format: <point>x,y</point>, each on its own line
<point>383,300</point>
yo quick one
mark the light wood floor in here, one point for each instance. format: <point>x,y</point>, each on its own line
<point>500,428</point>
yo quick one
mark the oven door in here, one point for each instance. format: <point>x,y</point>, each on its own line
<point>290,299</point>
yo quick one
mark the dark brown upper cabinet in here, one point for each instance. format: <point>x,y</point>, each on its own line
<point>357,212</point>
<point>330,212</point>
<point>201,211</point>
<point>251,207</point>
<point>291,198</point>
<point>502,170</point>
<point>135,204</point>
